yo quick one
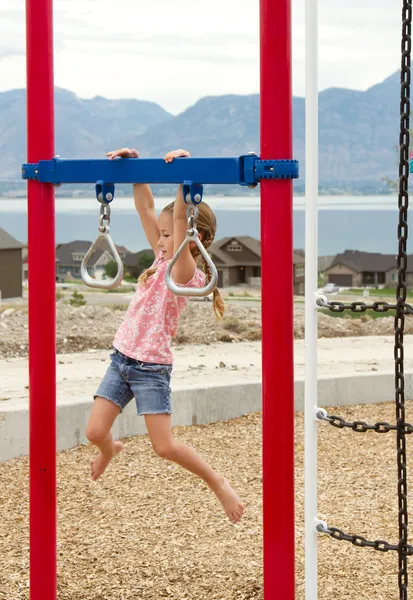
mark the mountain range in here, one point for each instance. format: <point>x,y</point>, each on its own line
<point>359,131</point>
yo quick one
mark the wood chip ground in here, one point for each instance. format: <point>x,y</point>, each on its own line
<point>148,530</point>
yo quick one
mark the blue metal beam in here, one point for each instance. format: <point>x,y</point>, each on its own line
<point>244,170</point>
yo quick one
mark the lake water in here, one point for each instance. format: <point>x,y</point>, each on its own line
<point>366,223</point>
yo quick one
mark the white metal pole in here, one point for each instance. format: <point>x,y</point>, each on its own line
<point>311,285</point>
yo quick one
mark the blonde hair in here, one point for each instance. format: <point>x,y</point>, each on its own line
<point>206,226</point>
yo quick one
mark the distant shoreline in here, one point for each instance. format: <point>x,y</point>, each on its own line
<point>366,223</point>
<point>16,188</point>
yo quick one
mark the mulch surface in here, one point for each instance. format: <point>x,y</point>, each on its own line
<point>148,530</point>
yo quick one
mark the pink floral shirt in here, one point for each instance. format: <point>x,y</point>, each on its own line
<point>152,318</point>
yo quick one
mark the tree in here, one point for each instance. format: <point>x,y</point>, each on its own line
<point>146,258</point>
<point>111,269</point>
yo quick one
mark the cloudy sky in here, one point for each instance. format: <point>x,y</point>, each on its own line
<point>176,51</point>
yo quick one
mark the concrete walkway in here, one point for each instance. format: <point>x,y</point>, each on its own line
<point>227,378</point>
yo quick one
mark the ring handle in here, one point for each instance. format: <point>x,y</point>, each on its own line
<point>179,290</point>
<point>104,284</point>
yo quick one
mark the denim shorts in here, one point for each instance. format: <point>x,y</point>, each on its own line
<point>149,383</point>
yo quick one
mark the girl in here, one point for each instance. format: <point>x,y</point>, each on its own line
<point>141,363</point>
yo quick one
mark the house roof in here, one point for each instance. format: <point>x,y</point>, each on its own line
<point>229,259</point>
<point>247,241</point>
<point>252,244</point>
<point>325,262</point>
<point>132,259</point>
<point>220,257</point>
<point>64,253</point>
<point>7,242</point>
<point>368,261</point>
<point>298,257</point>
<point>123,251</point>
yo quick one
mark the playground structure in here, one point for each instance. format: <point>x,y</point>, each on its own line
<point>44,171</point>
<point>276,237</point>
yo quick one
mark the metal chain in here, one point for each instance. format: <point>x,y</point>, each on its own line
<point>402,308</point>
<point>402,232</point>
<point>362,542</point>
<point>361,426</point>
<point>104,216</point>
<point>192,217</point>
<point>361,307</point>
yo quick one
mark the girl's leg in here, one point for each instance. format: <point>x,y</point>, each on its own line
<point>164,444</point>
<point>102,417</point>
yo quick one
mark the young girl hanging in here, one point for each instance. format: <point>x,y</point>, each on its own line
<point>141,363</point>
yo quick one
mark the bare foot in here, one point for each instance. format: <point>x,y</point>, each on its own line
<point>99,464</point>
<point>230,500</point>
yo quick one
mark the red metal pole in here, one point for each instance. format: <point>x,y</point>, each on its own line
<point>42,303</point>
<point>277,304</point>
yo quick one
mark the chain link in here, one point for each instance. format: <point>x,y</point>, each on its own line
<point>361,426</point>
<point>361,307</point>
<point>104,219</point>
<point>402,232</point>
<point>192,217</point>
<point>362,542</point>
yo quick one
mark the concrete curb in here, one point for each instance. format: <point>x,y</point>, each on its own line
<point>193,406</point>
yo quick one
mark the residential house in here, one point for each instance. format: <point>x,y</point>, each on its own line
<point>361,269</point>
<point>324,263</point>
<point>238,261</point>
<point>10,266</point>
<point>69,259</point>
<point>122,251</point>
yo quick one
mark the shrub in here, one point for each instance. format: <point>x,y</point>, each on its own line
<point>254,335</point>
<point>225,337</point>
<point>233,324</point>
<point>111,269</point>
<point>122,307</point>
<point>77,299</point>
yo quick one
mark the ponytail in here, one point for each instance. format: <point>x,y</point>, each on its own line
<point>143,277</point>
<point>218,303</point>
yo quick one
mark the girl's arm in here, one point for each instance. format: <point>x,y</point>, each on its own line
<point>184,268</point>
<point>144,202</point>
<point>145,206</point>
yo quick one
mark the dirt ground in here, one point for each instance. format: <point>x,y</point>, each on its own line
<point>83,328</point>
<point>148,530</point>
